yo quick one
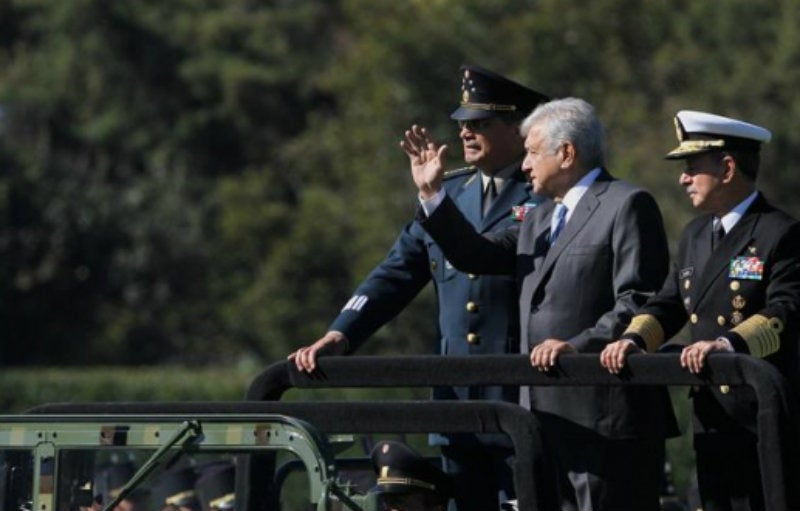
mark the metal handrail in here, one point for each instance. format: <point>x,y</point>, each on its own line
<point>778,419</point>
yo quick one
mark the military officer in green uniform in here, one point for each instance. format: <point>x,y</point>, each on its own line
<point>737,282</point>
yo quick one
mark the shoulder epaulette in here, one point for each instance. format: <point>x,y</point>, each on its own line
<point>459,172</point>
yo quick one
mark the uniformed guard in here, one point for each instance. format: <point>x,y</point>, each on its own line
<point>737,282</point>
<point>476,314</point>
<point>110,479</point>
<point>215,486</point>
<point>406,480</point>
<point>175,490</point>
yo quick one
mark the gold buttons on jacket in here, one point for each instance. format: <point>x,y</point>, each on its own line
<point>724,389</point>
<point>434,265</point>
<point>473,338</point>
<point>693,319</point>
<point>735,285</point>
<point>472,307</point>
<point>721,320</point>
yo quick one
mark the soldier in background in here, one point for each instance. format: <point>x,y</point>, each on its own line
<point>477,314</point>
<point>110,480</point>
<point>406,481</point>
<point>175,490</point>
<point>737,281</point>
<point>215,486</point>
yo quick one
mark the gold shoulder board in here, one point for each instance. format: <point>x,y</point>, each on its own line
<point>459,172</point>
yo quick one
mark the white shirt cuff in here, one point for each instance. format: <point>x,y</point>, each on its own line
<point>430,205</point>
<point>727,343</point>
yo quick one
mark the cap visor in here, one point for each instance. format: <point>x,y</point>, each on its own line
<point>680,152</point>
<point>463,113</point>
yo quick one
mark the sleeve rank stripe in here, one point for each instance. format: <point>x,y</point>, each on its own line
<point>649,329</point>
<point>762,334</point>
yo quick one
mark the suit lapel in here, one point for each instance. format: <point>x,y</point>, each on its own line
<point>577,222</point>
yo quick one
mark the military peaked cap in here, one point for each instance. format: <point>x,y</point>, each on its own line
<point>486,94</point>
<point>401,470</point>
<point>701,132</point>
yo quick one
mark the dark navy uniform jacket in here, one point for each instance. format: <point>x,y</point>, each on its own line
<point>477,314</point>
<point>747,289</point>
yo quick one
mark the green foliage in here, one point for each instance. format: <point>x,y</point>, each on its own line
<point>24,388</point>
<point>205,181</point>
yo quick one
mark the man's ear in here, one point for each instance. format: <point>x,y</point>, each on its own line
<point>729,168</point>
<point>568,154</point>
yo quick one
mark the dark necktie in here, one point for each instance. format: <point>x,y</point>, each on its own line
<point>557,221</point>
<point>718,233</point>
<point>489,196</point>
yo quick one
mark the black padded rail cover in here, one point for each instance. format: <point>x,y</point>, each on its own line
<point>778,409</point>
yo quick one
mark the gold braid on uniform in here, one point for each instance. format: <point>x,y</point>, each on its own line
<point>174,499</point>
<point>223,501</point>
<point>489,106</point>
<point>406,481</point>
<point>761,334</point>
<point>459,172</point>
<point>648,328</point>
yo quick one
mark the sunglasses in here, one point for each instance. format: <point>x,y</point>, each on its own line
<point>476,124</point>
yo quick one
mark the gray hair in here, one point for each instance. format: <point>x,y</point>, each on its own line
<point>569,120</point>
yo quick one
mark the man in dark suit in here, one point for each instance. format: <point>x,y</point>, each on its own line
<point>477,314</point>
<point>585,262</point>
<point>737,281</point>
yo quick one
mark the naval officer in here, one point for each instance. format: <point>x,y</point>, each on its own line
<point>737,282</point>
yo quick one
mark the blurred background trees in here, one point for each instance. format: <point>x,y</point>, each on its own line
<point>204,181</point>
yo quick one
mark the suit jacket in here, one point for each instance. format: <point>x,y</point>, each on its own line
<point>753,273</point>
<point>609,259</point>
<point>477,314</point>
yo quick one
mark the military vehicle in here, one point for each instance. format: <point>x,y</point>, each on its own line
<point>296,455</point>
<point>61,462</point>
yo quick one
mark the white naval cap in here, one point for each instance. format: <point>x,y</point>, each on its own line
<point>700,132</point>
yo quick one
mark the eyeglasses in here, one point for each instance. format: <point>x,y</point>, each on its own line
<point>476,125</point>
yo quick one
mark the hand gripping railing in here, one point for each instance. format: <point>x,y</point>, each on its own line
<point>778,417</point>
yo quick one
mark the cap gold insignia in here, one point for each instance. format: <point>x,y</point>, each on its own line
<point>466,73</point>
<point>736,317</point>
<point>738,302</point>
<point>678,129</point>
<point>465,97</point>
<point>384,472</point>
<point>687,284</point>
